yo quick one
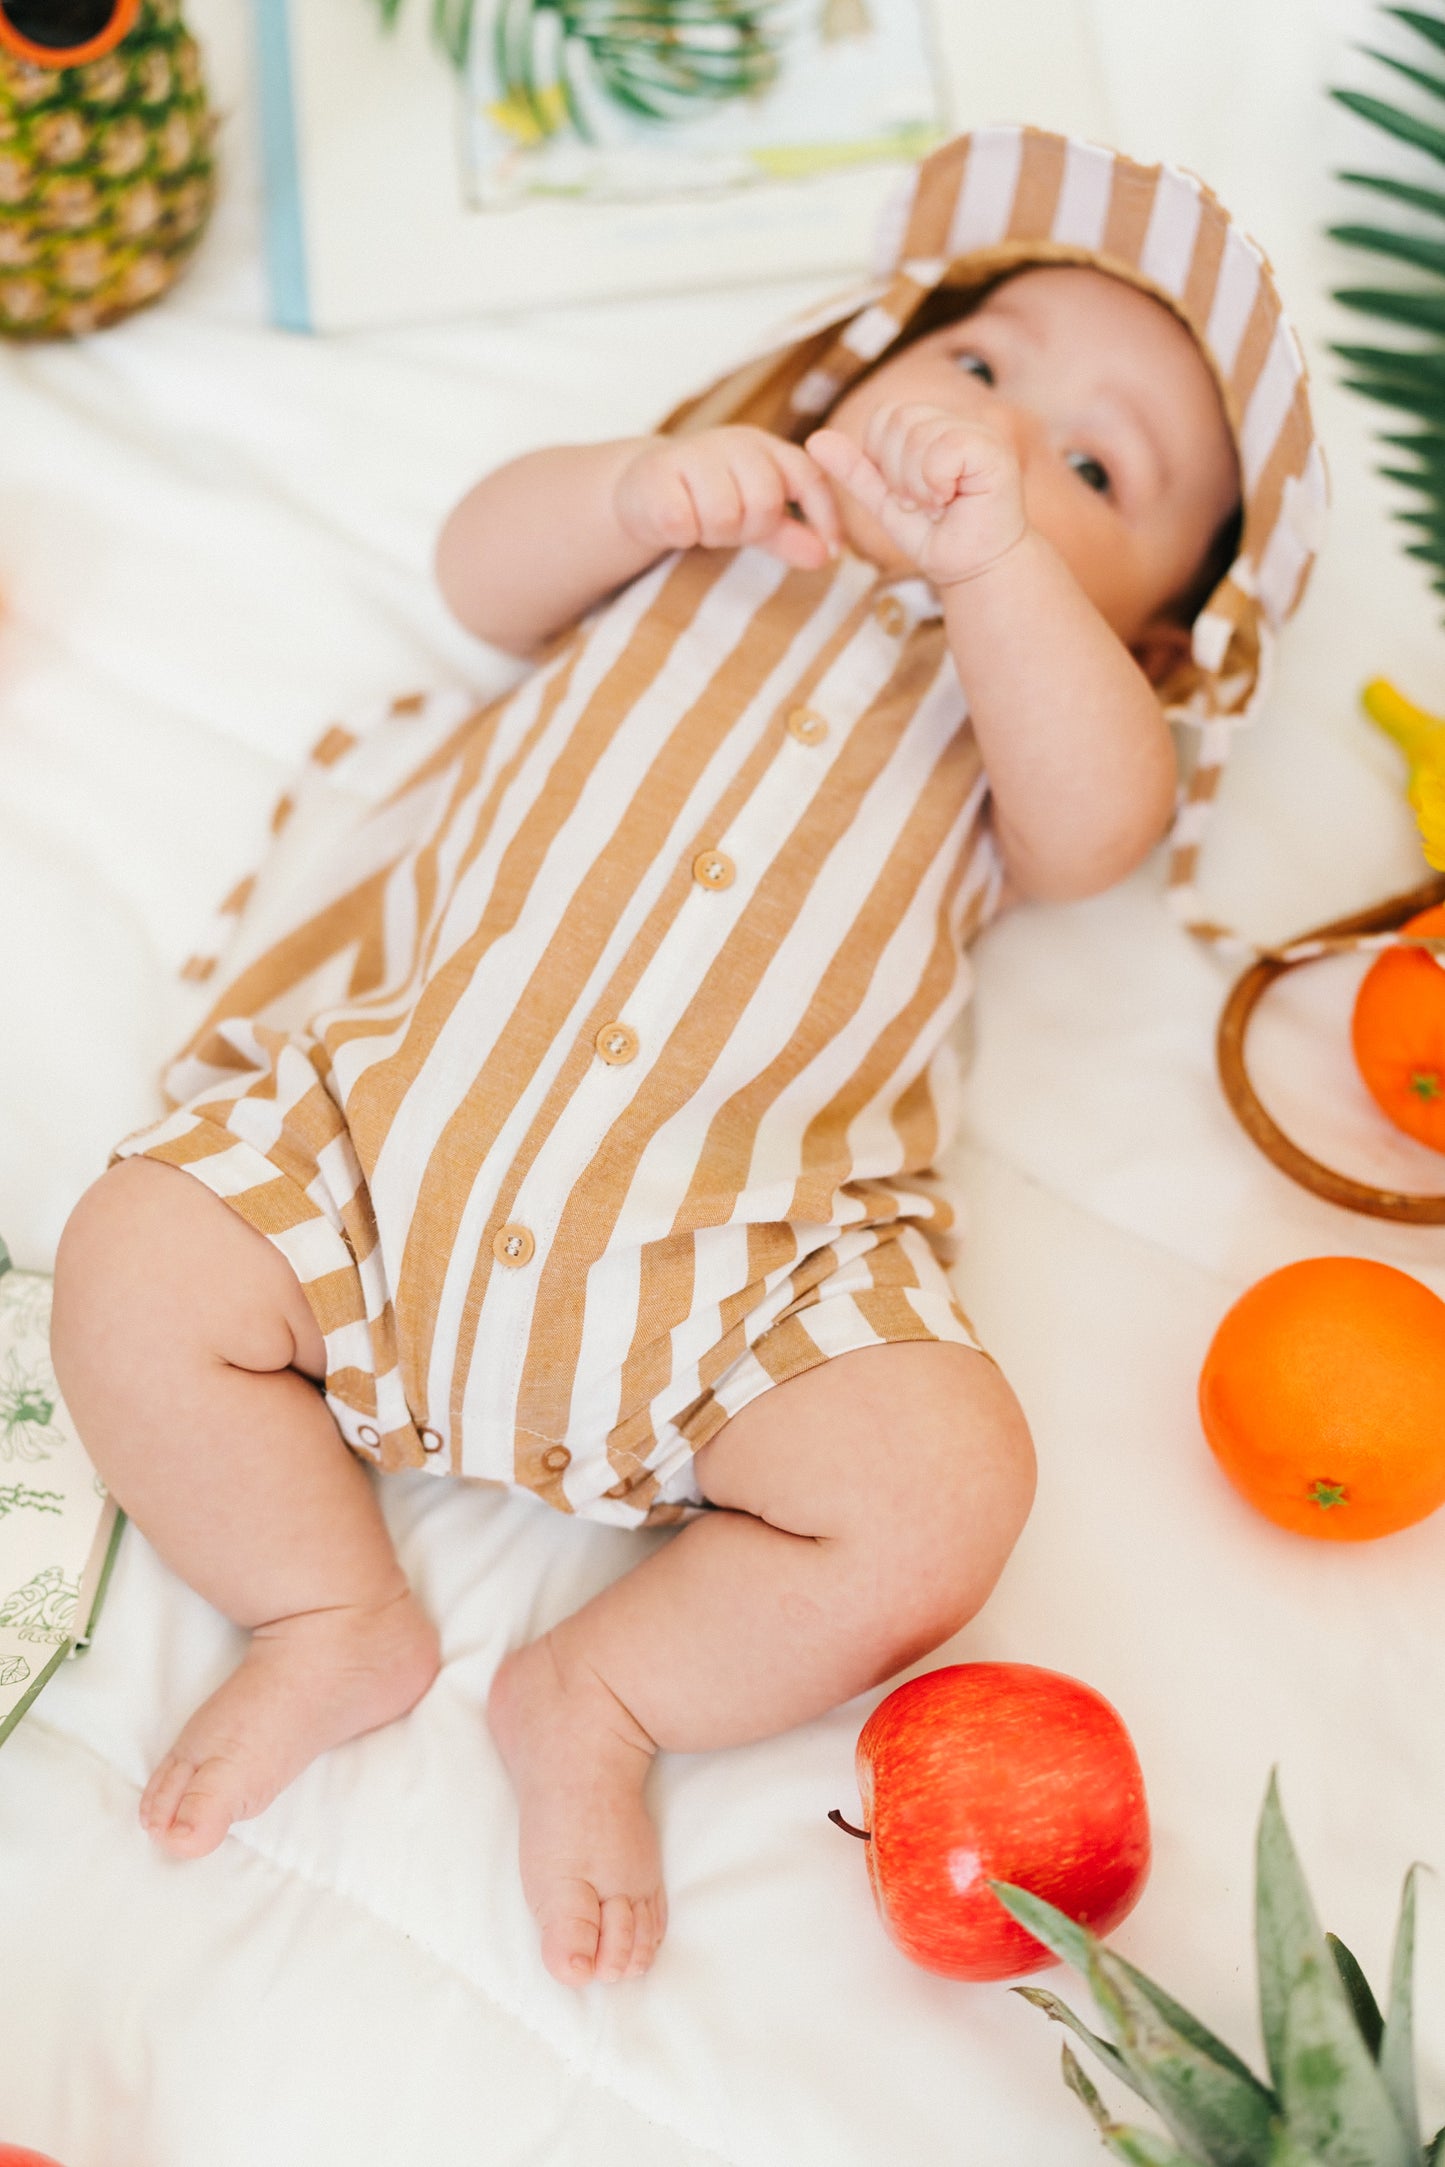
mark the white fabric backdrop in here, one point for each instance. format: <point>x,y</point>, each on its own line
<point>213,539</point>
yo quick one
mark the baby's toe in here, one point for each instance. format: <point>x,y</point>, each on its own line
<point>571,1932</point>
<point>164,1792</point>
<point>204,1812</point>
<point>619,1932</point>
<point>649,1914</point>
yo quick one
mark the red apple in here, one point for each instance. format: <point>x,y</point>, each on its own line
<point>997,1772</point>
<point>15,2155</point>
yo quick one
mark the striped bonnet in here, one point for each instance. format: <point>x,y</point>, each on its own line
<point>988,203</point>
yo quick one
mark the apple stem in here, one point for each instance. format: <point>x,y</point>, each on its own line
<point>863,1834</point>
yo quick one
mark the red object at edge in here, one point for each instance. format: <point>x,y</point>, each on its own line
<point>986,1772</point>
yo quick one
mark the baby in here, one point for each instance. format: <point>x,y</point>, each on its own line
<point>580,1137</point>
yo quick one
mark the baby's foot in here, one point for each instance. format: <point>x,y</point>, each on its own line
<point>590,1866</point>
<point>307,1683</point>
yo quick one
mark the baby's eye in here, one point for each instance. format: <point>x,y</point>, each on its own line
<point>975,365</point>
<point>1089,471</point>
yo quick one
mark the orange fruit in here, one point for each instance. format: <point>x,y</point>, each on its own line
<point>1323,1398</point>
<point>1399,1034</point>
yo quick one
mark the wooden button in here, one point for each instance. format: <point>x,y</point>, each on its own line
<point>513,1245</point>
<point>713,869</point>
<point>891,615</point>
<point>807,726</point>
<point>616,1043</point>
<point>556,1458</point>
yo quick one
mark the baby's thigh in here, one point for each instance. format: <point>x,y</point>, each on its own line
<point>151,1258</point>
<point>917,1449</point>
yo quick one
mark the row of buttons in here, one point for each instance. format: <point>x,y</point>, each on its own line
<point>617,1043</point>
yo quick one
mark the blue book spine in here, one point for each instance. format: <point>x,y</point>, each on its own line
<point>281,170</point>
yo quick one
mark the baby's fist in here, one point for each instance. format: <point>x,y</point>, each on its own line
<point>947,491</point>
<point>727,487</point>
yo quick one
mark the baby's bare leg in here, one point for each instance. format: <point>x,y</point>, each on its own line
<point>870,1505</point>
<point>180,1339</point>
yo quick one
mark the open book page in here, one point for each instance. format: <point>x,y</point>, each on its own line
<point>58,1526</point>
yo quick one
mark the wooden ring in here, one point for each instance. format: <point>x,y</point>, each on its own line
<point>1229,1047</point>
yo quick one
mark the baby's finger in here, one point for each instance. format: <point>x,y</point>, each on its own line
<point>809,488</point>
<point>897,439</point>
<point>762,490</point>
<point>716,499</point>
<point>840,458</point>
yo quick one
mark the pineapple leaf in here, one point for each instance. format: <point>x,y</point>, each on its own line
<point>1435,2157</point>
<point>1216,2112</point>
<point>1357,1986</point>
<point>1411,248</point>
<point>1396,2054</point>
<point>1077,1946</point>
<point>1134,2145</point>
<point>1335,2099</point>
<point>1287,1933</point>
<point>1429,26</point>
<point>1061,2013</point>
<point>1054,1928</point>
<point>1418,133</point>
<point>1187,2025</point>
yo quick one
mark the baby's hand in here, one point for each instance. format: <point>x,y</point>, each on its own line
<point>724,487</point>
<point>947,492</point>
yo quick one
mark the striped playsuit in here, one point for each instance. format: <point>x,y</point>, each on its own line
<point>598,1084</point>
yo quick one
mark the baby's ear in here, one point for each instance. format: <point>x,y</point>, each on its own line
<point>1161,648</point>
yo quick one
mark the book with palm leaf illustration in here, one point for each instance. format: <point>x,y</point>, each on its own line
<point>619,98</point>
<point>58,1526</point>
<point>427,159</point>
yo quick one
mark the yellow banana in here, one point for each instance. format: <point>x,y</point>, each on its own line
<point>1421,737</point>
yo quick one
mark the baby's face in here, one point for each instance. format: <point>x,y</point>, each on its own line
<point>1127,461</point>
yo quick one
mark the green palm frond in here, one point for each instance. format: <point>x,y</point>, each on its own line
<point>1408,378</point>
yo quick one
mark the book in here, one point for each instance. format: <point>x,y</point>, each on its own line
<point>59,1527</point>
<point>560,165</point>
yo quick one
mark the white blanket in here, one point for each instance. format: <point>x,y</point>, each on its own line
<point>213,539</point>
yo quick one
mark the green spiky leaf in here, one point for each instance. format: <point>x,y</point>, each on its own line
<point>1334,2097</point>
<point>1397,2044</point>
<point>1220,2113</point>
<point>1060,1934</point>
<point>1431,83</point>
<point>1419,365</point>
<point>1412,248</point>
<point>1417,311</point>
<point>1138,2146</point>
<point>1435,2156</point>
<point>1077,1946</point>
<point>1362,1999</point>
<point>1060,2013</point>
<point>1404,126</point>
<point>1288,1936</point>
<point>1429,26</point>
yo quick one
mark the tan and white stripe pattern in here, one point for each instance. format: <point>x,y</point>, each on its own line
<point>995,200</point>
<point>599,1087</point>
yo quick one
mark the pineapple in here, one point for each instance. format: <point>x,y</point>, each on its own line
<point>105,179</point>
<point>1343,2076</point>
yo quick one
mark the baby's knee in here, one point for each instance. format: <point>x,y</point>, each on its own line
<point>939,1542</point>
<point>102,1267</point>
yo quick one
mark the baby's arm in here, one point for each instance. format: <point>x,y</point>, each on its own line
<point>1079,759</point>
<point>537,543</point>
